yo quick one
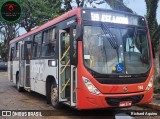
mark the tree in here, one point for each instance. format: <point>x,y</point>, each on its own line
<point>37,12</point>
<point>152,21</point>
<point>118,5</point>
<point>9,31</point>
<point>3,51</point>
<point>154,29</point>
<point>67,5</point>
<point>34,13</point>
<point>114,4</point>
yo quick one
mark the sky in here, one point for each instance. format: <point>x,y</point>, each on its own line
<point>138,6</point>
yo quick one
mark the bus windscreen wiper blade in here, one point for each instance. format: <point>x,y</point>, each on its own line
<point>111,38</point>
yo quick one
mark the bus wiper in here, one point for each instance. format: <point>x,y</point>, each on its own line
<point>111,38</point>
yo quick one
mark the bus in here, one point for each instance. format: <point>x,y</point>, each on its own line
<point>86,58</point>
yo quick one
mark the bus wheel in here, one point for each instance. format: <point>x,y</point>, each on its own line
<point>20,89</point>
<point>54,96</point>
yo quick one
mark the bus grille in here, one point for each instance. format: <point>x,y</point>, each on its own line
<point>120,80</point>
<point>116,101</point>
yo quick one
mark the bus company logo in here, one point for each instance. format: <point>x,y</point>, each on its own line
<point>6,113</point>
<point>10,11</point>
<point>125,89</point>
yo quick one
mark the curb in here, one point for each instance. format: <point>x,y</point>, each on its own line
<point>153,106</point>
<point>156,96</point>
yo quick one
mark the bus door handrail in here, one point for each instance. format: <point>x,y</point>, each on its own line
<point>65,53</point>
<point>65,85</point>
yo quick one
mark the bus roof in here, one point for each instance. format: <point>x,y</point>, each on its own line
<point>69,14</point>
<point>76,11</point>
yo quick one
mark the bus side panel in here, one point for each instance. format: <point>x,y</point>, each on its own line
<point>8,70</point>
<point>15,69</point>
<point>33,72</point>
<point>39,73</point>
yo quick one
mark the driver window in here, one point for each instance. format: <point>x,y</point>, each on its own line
<point>132,44</point>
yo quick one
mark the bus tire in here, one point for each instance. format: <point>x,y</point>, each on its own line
<point>54,96</point>
<point>20,89</point>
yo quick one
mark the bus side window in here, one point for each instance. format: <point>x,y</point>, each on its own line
<point>74,51</point>
<point>28,52</point>
<point>22,52</point>
<point>17,51</point>
<point>37,45</point>
<point>49,43</point>
<point>12,54</point>
<point>65,39</point>
<point>27,48</point>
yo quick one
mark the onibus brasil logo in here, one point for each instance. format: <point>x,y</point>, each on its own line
<point>10,11</point>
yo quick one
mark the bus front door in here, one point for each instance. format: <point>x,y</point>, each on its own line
<point>67,71</point>
<point>25,64</point>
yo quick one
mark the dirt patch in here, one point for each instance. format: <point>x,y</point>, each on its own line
<point>29,101</point>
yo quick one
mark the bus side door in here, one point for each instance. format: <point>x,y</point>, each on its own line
<point>67,71</point>
<point>10,63</point>
<point>25,64</point>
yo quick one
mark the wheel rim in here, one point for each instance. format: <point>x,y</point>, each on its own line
<point>54,95</point>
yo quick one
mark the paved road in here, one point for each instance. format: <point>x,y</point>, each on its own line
<point>11,99</point>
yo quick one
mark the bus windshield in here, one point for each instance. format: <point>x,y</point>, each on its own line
<point>116,50</point>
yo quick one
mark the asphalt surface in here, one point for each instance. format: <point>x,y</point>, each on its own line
<point>11,99</point>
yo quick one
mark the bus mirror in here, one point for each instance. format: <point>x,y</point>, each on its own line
<point>153,51</point>
<point>78,32</point>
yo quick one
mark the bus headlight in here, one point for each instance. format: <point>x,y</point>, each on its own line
<point>90,86</point>
<point>150,84</point>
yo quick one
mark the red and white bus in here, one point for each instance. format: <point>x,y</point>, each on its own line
<point>86,58</point>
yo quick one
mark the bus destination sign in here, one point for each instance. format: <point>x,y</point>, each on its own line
<point>109,18</point>
<point>113,17</point>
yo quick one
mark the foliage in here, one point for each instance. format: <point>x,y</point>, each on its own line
<point>34,13</point>
<point>152,21</point>
<point>114,4</point>
<point>8,31</point>
<point>118,5</point>
<point>37,12</point>
<point>3,51</point>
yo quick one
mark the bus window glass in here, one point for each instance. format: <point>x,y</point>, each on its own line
<point>28,52</point>
<point>49,43</point>
<point>136,51</point>
<point>65,47</point>
<point>74,44</point>
<point>12,54</point>
<point>17,51</point>
<point>37,45</point>
<point>99,54</point>
<point>116,50</point>
<point>22,51</point>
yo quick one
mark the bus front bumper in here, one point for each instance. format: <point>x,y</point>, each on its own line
<point>87,100</point>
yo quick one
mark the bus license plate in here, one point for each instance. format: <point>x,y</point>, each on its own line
<point>125,103</point>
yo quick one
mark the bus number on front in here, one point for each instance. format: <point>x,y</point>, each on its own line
<point>140,87</point>
<point>95,17</point>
